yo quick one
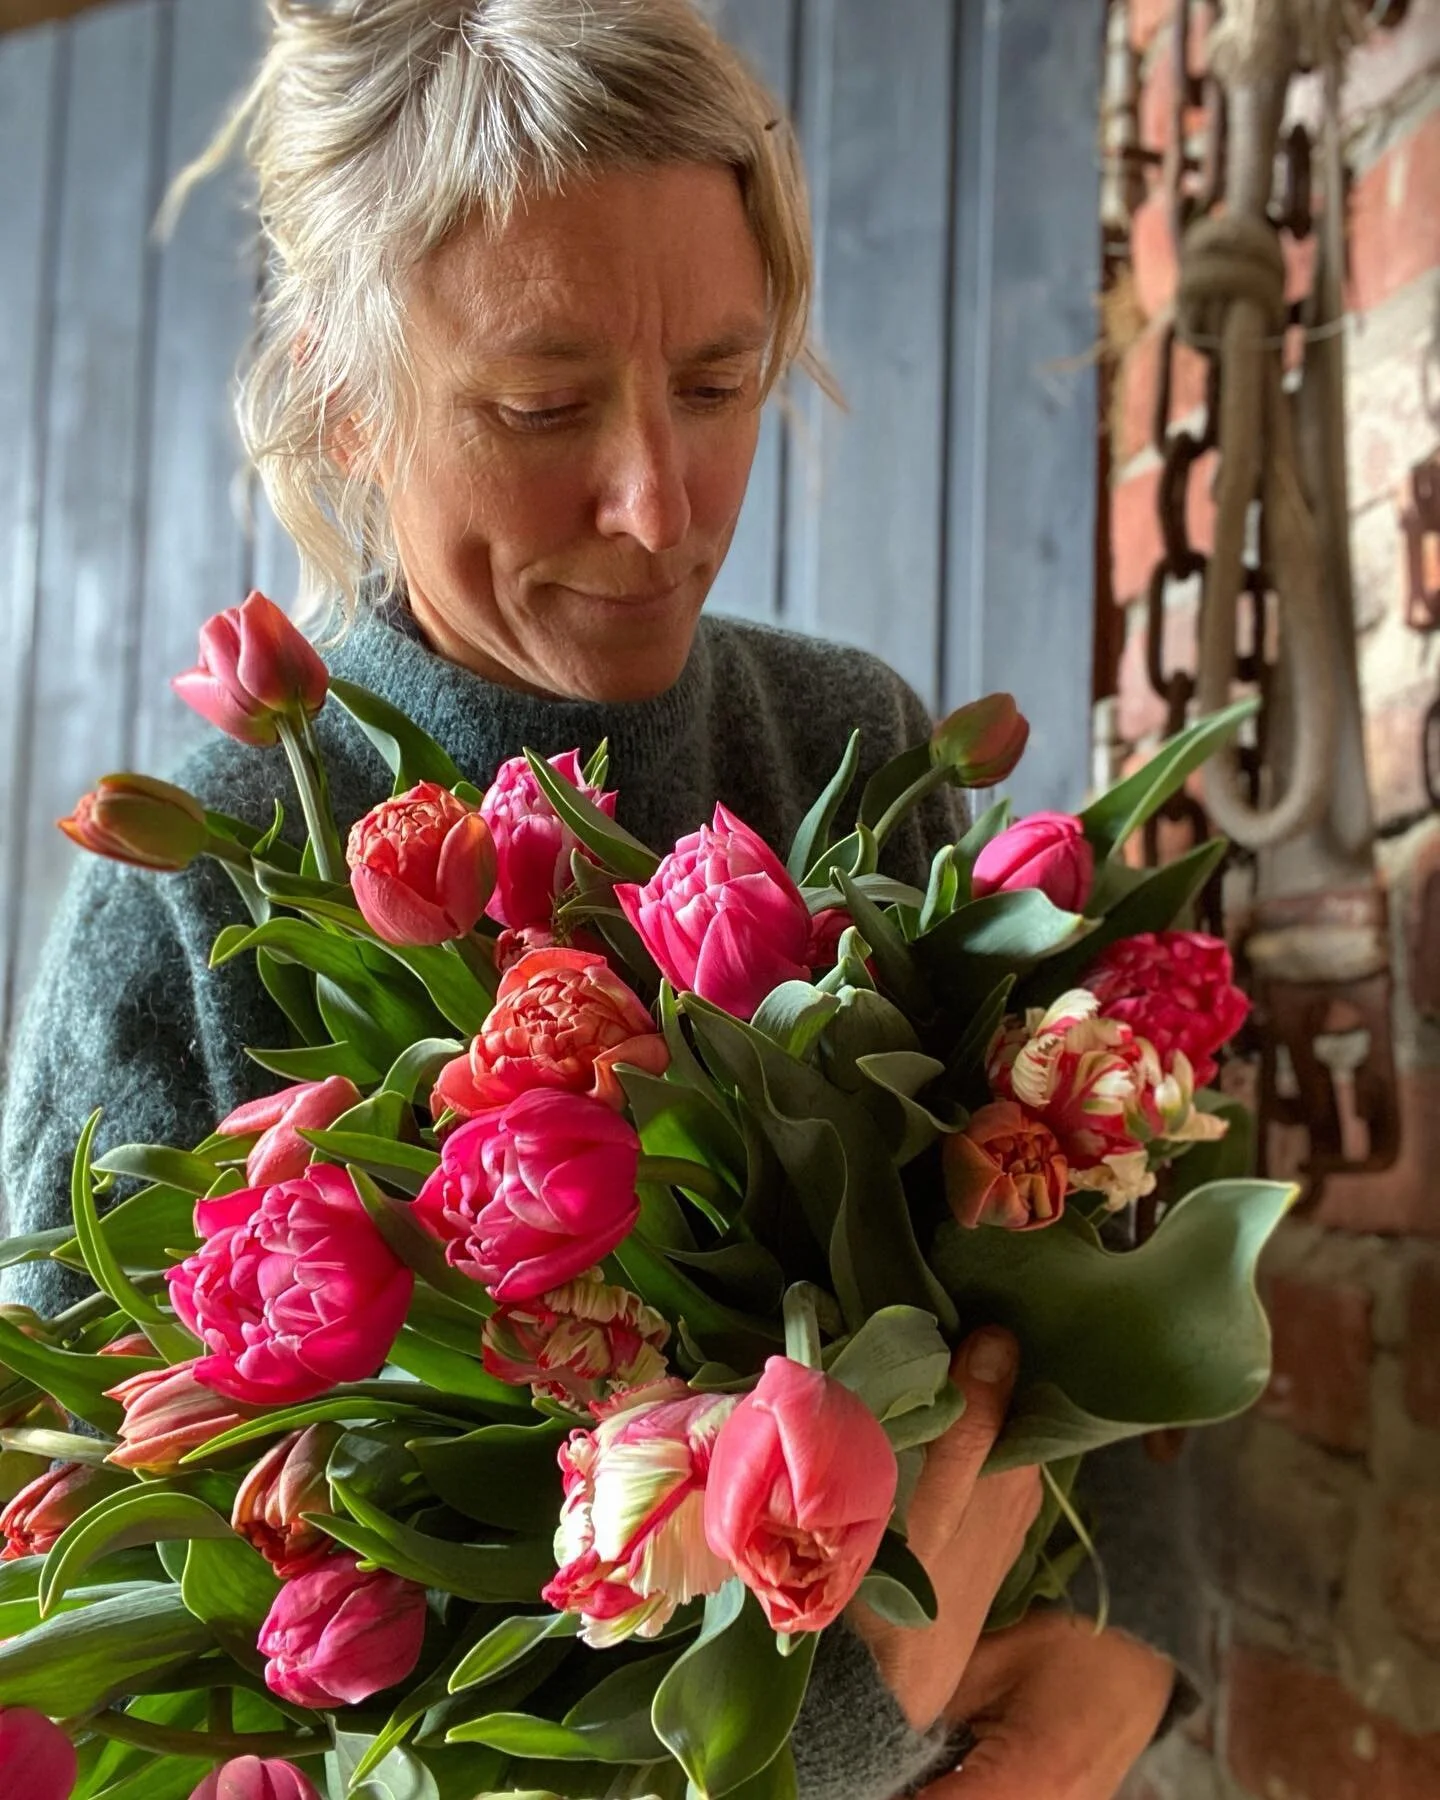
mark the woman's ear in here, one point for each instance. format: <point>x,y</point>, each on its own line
<point>344,437</point>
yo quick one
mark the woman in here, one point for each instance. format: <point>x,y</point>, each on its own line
<point>536,266</point>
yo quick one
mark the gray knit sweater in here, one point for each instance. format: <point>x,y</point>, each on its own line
<point>126,1014</point>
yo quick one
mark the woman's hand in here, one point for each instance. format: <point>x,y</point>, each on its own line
<point>1056,1710</point>
<point>966,1531</point>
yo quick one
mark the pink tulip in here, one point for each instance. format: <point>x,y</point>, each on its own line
<point>1175,988</point>
<point>335,1635</point>
<point>248,1778</point>
<point>802,1485</point>
<point>167,1414</point>
<point>1048,851</point>
<point>631,1544</point>
<point>254,669</point>
<point>562,1019</point>
<point>34,1518</point>
<point>532,845</point>
<point>577,1344</point>
<point>280,1153</point>
<point>422,866</point>
<point>287,1483</point>
<point>37,1760</point>
<point>721,917</point>
<point>981,741</point>
<point>530,1195</point>
<point>293,1290</point>
<point>138,820</point>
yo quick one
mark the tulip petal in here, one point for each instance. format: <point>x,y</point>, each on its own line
<point>395,912</point>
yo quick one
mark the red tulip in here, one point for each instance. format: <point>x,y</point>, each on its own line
<point>577,1343</point>
<point>1175,988</point>
<point>248,1778</point>
<point>35,1517</point>
<point>138,820</point>
<point>255,668</point>
<point>531,843</point>
<point>168,1413</point>
<point>982,741</point>
<point>37,1760</point>
<point>1006,1168</point>
<point>287,1483</point>
<point>422,866</point>
<point>802,1484</point>
<point>1048,851</point>
<point>335,1635</point>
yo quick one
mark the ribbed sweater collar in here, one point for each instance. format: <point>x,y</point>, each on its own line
<point>481,723</point>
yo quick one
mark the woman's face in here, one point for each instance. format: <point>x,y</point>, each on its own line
<point>589,392</point>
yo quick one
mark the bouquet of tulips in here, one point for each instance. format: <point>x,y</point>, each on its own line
<point>508,1402</point>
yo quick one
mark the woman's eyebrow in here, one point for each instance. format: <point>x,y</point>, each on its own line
<point>546,344</point>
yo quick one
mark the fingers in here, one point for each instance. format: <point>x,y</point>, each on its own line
<point>985,1366</point>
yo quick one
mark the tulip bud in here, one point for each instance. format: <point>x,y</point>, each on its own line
<point>422,866</point>
<point>337,1634</point>
<point>136,819</point>
<point>248,1778</point>
<point>288,1482</point>
<point>167,1413</point>
<point>981,742</point>
<point>255,668</point>
<point>532,844</point>
<point>281,1154</point>
<point>1048,851</point>
<point>36,1516</point>
<point>37,1760</point>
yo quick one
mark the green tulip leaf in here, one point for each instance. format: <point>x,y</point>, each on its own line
<point>143,1232</point>
<point>1116,1344</point>
<point>78,1381</point>
<point>505,1475</point>
<point>676,1119</point>
<point>316,1062</point>
<point>856,855</point>
<point>894,964</point>
<point>160,1164</point>
<point>228,1584</point>
<point>144,1514</point>
<point>396,1222</point>
<point>897,1362</point>
<point>1112,819</point>
<point>727,1707</point>
<point>618,851</point>
<point>360,1400</point>
<point>813,833</point>
<point>611,1724</point>
<point>458,1373</point>
<point>983,941</point>
<point>79,1661</point>
<point>413,755</point>
<point>405,1164</point>
<point>897,1586</point>
<point>793,1015</point>
<point>412,1074</point>
<point>509,1643</point>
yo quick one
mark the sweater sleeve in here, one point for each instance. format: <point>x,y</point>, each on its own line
<point>124,1014</point>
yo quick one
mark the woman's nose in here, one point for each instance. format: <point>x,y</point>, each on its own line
<point>643,493</point>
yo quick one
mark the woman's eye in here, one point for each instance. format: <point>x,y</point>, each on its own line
<point>712,396</point>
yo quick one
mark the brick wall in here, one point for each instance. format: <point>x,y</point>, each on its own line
<point>1322,1507</point>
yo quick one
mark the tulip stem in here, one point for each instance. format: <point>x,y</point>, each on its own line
<point>308,768</point>
<point>168,1740</point>
<point>802,1329</point>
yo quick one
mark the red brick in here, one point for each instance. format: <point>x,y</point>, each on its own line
<point>1297,1732</point>
<point>1395,217</point>
<point>1422,1345</point>
<point>1152,253</point>
<point>1135,524</point>
<point>1146,18</point>
<point>1157,97</point>
<point>1320,1385</point>
<point>1403,1201</point>
<point>1412,1555</point>
<point>1139,382</point>
<point>1141,713</point>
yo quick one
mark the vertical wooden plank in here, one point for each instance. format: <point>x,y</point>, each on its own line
<point>866,487</point>
<point>91,508</point>
<point>196,557</point>
<point>31,67</point>
<point>748,585</point>
<point>1023,405</point>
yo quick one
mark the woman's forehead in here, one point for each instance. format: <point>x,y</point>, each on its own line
<point>666,255</point>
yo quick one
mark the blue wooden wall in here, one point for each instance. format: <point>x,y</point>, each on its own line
<point>944,520</point>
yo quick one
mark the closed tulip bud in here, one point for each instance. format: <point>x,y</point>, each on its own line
<point>532,844</point>
<point>1048,851</point>
<point>167,1413</point>
<point>280,1153</point>
<point>981,742</point>
<point>255,668</point>
<point>288,1482</point>
<point>138,820</point>
<point>337,1634</point>
<point>422,866</point>
<point>250,1778</point>
<point>36,1516</point>
<point>37,1760</point>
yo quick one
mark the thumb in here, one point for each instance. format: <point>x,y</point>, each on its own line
<point>984,1367</point>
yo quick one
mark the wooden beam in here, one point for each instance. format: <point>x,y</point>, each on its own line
<point>15,14</point>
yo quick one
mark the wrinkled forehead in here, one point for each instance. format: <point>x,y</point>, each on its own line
<point>665,258</point>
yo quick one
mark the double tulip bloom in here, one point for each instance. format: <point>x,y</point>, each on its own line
<point>255,670</point>
<point>532,1194</point>
<point>533,846</point>
<point>422,866</point>
<point>722,918</point>
<point>578,1343</point>
<point>562,1019</point>
<point>293,1290</point>
<point>337,1634</point>
<point>1006,1168</point>
<point>1176,989</point>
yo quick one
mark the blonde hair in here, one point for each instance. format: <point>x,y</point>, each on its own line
<point>376,128</point>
